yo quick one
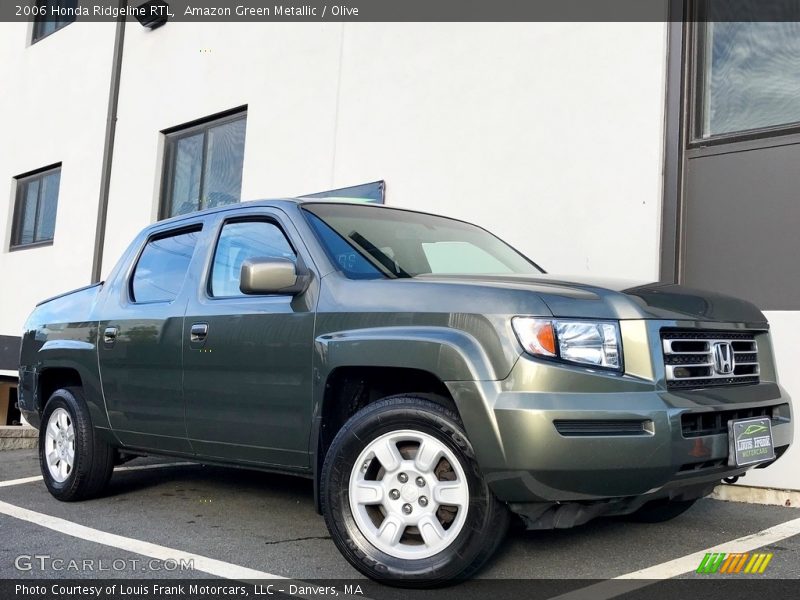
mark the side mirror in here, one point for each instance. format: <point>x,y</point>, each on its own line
<point>269,276</point>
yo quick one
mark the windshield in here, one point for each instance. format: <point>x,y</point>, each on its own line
<point>368,242</point>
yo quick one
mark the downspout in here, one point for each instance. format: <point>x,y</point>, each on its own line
<point>108,146</point>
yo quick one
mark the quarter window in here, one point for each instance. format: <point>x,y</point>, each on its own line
<point>204,165</point>
<point>162,267</point>
<point>52,15</point>
<point>239,241</point>
<point>35,208</point>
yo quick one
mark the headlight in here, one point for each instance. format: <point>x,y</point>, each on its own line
<point>594,343</point>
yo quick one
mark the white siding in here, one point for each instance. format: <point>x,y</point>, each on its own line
<point>528,129</point>
<point>53,103</point>
<point>784,474</point>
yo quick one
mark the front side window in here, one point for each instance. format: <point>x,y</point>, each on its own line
<point>35,208</point>
<point>51,15</point>
<point>239,241</point>
<point>366,241</point>
<point>748,75</point>
<point>162,267</point>
<point>204,166</point>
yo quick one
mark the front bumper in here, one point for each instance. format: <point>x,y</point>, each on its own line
<point>526,459</point>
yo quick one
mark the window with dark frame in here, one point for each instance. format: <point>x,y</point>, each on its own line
<point>35,208</point>
<point>54,15</point>
<point>745,75</point>
<point>203,165</point>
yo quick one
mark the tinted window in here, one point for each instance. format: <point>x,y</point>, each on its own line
<point>35,211</point>
<point>52,15</point>
<point>239,241</point>
<point>749,75</point>
<point>162,267</point>
<point>204,166</point>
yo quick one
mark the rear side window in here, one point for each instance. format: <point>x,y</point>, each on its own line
<point>239,241</point>
<point>162,267</point>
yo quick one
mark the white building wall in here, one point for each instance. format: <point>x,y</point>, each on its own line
<point>525,128</point>
<point>53,104</point>
<point>785,473</point>
<point>286,74</point>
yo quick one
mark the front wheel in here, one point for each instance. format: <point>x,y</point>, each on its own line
<point>75,463</point>
<point>403,496</point>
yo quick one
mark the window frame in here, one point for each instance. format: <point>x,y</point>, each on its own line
<point>36,23</point>
<point>263,218</point>
<point>196,227</point>
<point>175,134</point>
<point>696,75</point>
<point>21,183</point>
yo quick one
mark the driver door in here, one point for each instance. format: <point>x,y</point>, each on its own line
<point>247,359</point>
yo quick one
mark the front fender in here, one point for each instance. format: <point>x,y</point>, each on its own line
<point>454,356</point>
<point>450,354</point>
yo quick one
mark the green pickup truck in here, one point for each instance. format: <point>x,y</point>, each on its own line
<point>433,382</point>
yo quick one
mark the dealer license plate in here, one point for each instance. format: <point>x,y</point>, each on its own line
<point>750,441</point>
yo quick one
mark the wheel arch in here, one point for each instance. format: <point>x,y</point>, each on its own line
<point>356,368</point>
<point>60,372</point>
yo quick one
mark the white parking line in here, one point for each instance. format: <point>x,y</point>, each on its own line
<point>11,482</point>
<point>22,480</point>
<point>201,563</point>
<point>205,564</point>
<point>680,566</point>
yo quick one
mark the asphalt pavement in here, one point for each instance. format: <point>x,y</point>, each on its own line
<point>249,520</point>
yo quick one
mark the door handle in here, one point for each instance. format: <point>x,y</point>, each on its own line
<point>110,336</point>
<point>198,332</point>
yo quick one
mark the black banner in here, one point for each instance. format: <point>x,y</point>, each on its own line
<point>399,10</point>
<point>713,587</point>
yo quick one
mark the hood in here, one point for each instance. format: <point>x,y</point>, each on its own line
<point>590,297</point>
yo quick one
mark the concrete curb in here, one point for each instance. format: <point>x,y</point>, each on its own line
<point>18,436</point>
<point>755,495</point>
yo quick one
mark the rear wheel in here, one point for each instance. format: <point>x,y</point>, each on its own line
<point>659,511</point>
<point>403,496</point>
<point>75,463</point>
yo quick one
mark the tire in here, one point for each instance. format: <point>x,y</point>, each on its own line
<point>469,531</point>
<point>660,511</point>
<point>83,463</point>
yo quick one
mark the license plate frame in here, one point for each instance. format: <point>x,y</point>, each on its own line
<point>750,441</point>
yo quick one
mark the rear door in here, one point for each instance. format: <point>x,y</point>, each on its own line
<point>141,342</point>
<point>248,374</point>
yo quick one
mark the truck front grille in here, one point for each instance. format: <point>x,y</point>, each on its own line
<point>695,359</point>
